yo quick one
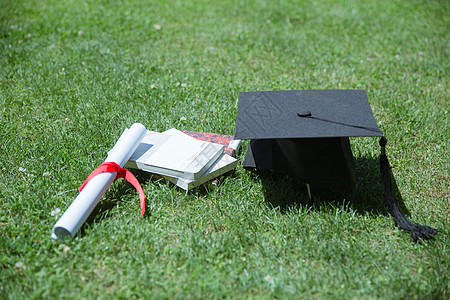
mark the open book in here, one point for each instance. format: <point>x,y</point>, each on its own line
<point>222,165</point>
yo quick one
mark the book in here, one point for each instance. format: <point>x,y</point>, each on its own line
<point>223,165</point>
<point>174,154</point>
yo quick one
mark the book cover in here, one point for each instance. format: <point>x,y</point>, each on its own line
<point>231,145</point>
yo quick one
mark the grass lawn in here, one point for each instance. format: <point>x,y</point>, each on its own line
<point>74,74</point>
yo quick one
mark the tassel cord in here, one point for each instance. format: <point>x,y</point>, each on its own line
<point>418,232</point>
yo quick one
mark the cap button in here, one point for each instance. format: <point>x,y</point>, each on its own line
<point>304,114</point>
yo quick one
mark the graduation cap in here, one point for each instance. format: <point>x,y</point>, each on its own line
<point>305,134</point>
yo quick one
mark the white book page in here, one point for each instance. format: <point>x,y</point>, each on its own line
<point>148,146</point>
<point>175,154</point>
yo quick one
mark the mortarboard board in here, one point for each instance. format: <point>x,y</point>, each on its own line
<point>305,134</point>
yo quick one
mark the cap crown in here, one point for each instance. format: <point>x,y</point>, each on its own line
<point>304,114</point>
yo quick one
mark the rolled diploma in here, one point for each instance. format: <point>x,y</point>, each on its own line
<point>80,209</point>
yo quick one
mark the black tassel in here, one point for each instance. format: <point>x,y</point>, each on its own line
<point>418,232</point>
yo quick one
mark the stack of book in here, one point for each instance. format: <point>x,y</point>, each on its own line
<point>186,158</point>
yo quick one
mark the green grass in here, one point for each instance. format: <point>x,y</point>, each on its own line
<point>74,74</point>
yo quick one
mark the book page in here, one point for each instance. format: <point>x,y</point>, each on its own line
<point>176,153</point>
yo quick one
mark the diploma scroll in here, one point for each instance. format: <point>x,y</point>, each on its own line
<point>80,209</point>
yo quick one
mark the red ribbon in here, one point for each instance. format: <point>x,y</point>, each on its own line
<point>109,167</point>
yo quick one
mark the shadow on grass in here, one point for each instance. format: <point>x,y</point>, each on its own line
<point>285,193</point>
<point>280,191</point>
<point>113,196</point>
<point>117,191</point>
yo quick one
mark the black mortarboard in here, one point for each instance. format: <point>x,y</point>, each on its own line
<point>305,134</point>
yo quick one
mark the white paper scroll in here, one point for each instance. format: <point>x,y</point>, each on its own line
<point>80,209</point>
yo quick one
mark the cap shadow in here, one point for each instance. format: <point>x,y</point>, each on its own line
<point>285,193</point>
